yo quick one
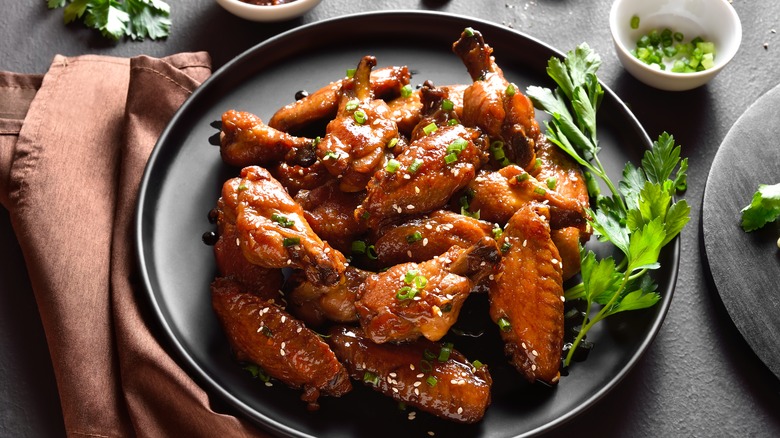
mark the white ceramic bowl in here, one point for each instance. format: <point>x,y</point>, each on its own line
<point>713,20</point>
<point>282,12</point>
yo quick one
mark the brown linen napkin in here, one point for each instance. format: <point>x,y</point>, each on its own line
<point>73,146</point>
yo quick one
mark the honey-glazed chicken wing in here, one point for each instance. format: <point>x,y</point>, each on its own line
<point>272,229</point>
<point>317,304</point>
<point>437,109</point>
<point>423,299</point>
<point>331,214</point>
<point>231,263</point>
<point>354,144</point>
<point>493,104</point>
<point>295,177</point>
<point>323,104</point>
<point>566,178</point>
<point>413,373</point>
<point>261,332</point>
<point>422,238</point>
<point>498,195</point>
<point>424,177</point>
<point>526,295</point>
<point>246,141</point>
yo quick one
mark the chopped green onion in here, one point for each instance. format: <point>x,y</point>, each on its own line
<point>447,105</point>
<point>371,252</point>
<point>392,165</point>
<point>331,155</point>
<point>446,307</point>
<point>420,282</point>
<point>469,32</point>
<point>291,241</point>
<point>450,158</point>
<point>452,122</point>
<point>393,141</point>
<point>414,237</point>
<point>415,166</point>
<point>510,90</point>
<point>429,128</point>
<point>497,232</point>
<point>540,191</point>
<point>635,22</point>
<point>457,146</point>
<point>431,381</point>
<point>360,117</point>
<point>242,187</point>
<point>428,355</point>
<point>409,276</point>
<point>552,182</point>
<point>425,365</point>
<point>406,90</point>
<point>444,353</point>
<point>504,324</point>
<point>358,247</point>
<point>522,177</point>
<point>370,378</point>
<point>351,72</point>
<point>406,293</point>
<point>506,247</point>
<point>477,364</point>
<point>465,212</point>
<point>537,163</point>
<point>283,221</point>
<point>352,105</point>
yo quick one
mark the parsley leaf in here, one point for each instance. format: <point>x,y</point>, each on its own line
<point>639,216</point>
<point>136,19</point>
<point>763,208</point>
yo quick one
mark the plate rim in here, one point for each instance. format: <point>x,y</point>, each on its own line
<point>201,376</point>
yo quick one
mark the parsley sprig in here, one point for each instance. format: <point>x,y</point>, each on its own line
<point>639,216</point>
<point>136,19</point>
<point>764,207</point>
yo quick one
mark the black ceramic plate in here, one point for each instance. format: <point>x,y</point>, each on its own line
<point>746,266</point>
<point>182,183</point>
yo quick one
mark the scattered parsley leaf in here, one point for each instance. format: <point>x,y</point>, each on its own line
<point>136,19</point>
<point>763,208</point>
<point>639,216</point>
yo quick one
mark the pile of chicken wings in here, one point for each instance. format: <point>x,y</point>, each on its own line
<point>347,257</point>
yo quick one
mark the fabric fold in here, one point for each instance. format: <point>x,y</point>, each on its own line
<point>73,147</point>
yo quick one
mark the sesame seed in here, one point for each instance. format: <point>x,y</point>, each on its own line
<point>409,253</point>
<point>284,344</point>
<point>421,375</point>
<point>525,243</point>
<point>563,298</point>
<point>281,352</point>
<point>430,433</point>
<point>417,383</point>
<point>428,226</point>
<point>554,261</point>
<point>416,391</point>
<point>523,345</point>
<point>347,344</point>
<point>269,384</point>
<point>284,318</point>
<point>416,189</point>
<point>395,390</point>
<point>407,176</point>
<point>299,330</point>
<point>411,367</point>
<point>534,352</point>
<point>460,411</point>
<point>393,375</point>
<point>533,367</point>
<point>410,207</point>
<point>238,242</point>
<point>425,241</point>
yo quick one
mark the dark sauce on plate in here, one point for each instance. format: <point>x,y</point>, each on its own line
<point>267,2</point>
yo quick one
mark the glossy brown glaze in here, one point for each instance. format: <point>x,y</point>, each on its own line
<point>388,312</point>
<point>404,193</point>
<point>526,295</point>
<point>261,332</point>
<point>354,144</point>
<point>487,104</point>
<point>331,214</point>
<point>317,305</point>
<point>246,141</point>
<point>498,195</point>
<point>422,238</point>
<point>323,104</point>
<point>260,205</point>
<point>453,389</point>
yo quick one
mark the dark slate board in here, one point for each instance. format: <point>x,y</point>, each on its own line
<point>745,267</point>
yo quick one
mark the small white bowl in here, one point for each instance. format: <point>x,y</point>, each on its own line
<point>713,20</point>
<point>282,12</point>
